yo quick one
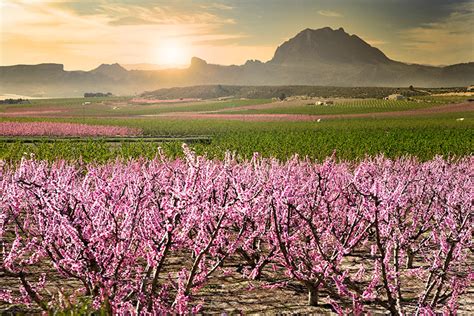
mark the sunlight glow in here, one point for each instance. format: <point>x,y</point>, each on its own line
<point>173,53</point>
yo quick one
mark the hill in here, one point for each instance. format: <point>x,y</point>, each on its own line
<point>267,92</point>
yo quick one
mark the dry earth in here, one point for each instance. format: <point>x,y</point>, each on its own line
<point>230,293</point>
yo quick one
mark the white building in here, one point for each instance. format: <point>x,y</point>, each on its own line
<point>395,97</point>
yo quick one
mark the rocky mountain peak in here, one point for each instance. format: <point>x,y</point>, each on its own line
<point>326,45</point>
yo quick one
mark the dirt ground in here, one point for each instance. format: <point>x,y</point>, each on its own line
<point>232,294</point>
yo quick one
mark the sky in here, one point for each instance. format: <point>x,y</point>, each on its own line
<point>85,34</point>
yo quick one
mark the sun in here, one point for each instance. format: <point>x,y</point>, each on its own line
<point>172,53</point>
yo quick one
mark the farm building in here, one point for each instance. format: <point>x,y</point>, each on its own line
<point>396,97</point>
<point>329,102</point>
<point>225,98</point>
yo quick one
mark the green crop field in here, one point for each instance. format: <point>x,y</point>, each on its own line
<point>161,108</point>
<point>343,107</point>
<point>119,107</point>
<point>423,137</point>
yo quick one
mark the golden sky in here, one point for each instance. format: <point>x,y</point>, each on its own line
<point>84,34</point>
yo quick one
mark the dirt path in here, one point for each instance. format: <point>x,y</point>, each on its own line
<point>447,108</point>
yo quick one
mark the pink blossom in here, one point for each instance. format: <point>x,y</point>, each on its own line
<point>116,228</point>
<point>63,129</point>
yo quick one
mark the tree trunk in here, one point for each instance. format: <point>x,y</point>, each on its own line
<point>313,294</point>
<point>410,257</point>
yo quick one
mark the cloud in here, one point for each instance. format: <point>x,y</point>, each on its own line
<point>83,36</point>
<point>219,39</point>
<point>139,12</point>
<point>120,14</point>
<point>330,14</point>
<point>450,38</point>
<point>217,6</point>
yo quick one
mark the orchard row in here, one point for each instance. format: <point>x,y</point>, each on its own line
<point>378,233</point>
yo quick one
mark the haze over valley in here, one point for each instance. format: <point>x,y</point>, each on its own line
<point>323,57</point>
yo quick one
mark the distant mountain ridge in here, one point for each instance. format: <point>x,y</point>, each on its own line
<point>114,71</point>
<point>323,57</point>
<point>143,66</point>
